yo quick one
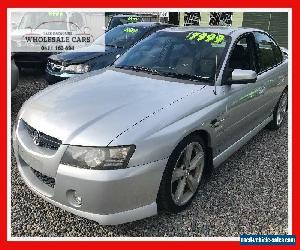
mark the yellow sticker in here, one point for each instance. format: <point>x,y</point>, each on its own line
<point>57,14</point>
<point>219,38</point>
<point>131,30</point>
<point>132,19</point>
<point>210,37</point>
<point>201,36</point>
<point>193,35</point>
<point>207,37</point>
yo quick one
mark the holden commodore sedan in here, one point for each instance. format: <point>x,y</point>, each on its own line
<point>120,144</point>
<point>117,41</point>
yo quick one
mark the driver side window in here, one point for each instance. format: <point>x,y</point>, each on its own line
<point>242,56</point>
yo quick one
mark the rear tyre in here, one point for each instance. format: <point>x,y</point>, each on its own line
<point>183,174</point>
<point>279,112</point>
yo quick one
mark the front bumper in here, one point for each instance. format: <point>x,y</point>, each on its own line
<point>108,196</point>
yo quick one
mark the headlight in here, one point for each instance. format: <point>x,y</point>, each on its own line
<point>98,157</point>
<point>78,68</point>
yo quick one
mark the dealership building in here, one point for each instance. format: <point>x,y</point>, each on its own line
<point>275,23</point>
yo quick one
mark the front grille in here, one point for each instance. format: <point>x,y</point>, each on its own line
<point>41,139</point>
<point>49,181</point>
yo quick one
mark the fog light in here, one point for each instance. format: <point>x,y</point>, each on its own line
<point>73,198</point>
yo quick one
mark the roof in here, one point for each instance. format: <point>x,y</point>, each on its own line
<point>126,15</point>
<point>146,24</point>
<point>215,29</point>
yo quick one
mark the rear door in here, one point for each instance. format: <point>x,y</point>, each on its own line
<point>272,73</point>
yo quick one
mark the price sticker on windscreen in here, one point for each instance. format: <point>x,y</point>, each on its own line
<point>132,19</point>
<point>131,30</point>
<point>206,37</point>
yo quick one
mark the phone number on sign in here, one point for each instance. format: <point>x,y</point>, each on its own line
<point>57,47</point>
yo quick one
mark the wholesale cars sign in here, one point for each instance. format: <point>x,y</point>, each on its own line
<point>56,31</point>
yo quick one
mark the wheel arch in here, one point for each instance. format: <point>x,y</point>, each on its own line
<point>208,140</point>
<point>206,136</point>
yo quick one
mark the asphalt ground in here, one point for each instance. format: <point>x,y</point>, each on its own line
<point>248,194</point>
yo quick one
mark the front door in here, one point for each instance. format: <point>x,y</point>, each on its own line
<point>243,101</point>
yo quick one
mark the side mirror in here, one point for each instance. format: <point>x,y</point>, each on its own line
<point>241,76</point>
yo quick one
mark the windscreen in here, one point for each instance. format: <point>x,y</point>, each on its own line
<point>116,21</point>
<point>122,36</point>
<point>178,54</point>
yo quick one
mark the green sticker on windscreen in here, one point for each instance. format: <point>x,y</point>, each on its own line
<point>131,30</point>
<point>132,19</point>
<point>207,37</point>
<point>57,14</point>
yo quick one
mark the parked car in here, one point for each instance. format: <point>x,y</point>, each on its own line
<point>14,74</point>
<point>117,41</point>
<point>284,51</point>
<point>123,19</point>
<point>39,23</point>
<point>117,144</point>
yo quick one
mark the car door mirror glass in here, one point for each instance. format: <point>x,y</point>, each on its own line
<point>240,76</point>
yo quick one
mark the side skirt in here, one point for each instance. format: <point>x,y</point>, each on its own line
<point>219,159</point>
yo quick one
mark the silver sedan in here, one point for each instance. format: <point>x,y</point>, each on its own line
<point>119,144</point>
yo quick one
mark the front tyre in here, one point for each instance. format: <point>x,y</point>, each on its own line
<point>183,174</point>
<point>279,112</point>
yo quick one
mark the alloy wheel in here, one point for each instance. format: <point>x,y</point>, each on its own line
<point>187,173</point>
<point>282,108</point>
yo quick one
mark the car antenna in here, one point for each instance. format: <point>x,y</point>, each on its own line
<point>215,90</point>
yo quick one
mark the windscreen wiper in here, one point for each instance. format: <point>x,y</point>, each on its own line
<point>186,76</point>
<point>139,68</point>
<point>115,46</point>
<point>168,74</point>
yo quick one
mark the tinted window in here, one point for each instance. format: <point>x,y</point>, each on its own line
<point>278,54</point>
<point>116,21</point>
<point>241,57</point>
<point>268,53</point>
<point>122,36</point>
<point>196,54</point>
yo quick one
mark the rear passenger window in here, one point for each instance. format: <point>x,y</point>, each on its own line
<point>278,54</point>
<point>268,53</point>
